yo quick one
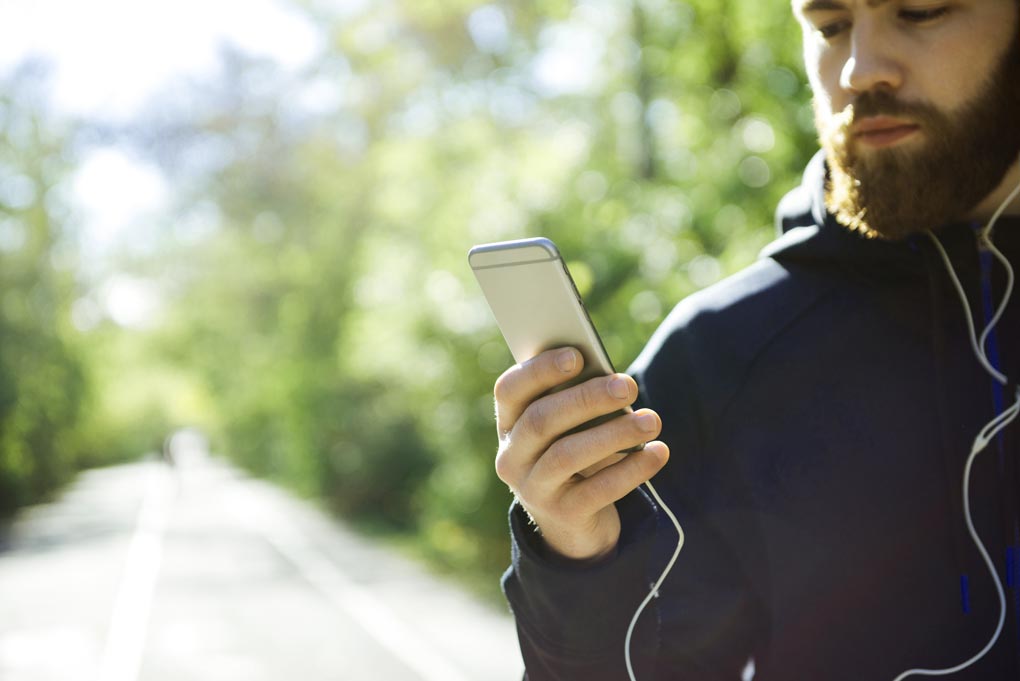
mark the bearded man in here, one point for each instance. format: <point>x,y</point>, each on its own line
<point>835,422</point>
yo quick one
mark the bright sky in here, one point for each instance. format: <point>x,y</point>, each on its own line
<point>109,57</point>
<point>112,54</point>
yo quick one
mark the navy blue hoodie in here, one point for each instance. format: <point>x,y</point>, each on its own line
<point>819,407</point>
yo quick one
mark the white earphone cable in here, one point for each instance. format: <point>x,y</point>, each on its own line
<point>986,241</point>
<point>984,436</point>
<point>978,348</point>
<point>655,588</point>
<point>989,431</point>
<point>1006,295</point>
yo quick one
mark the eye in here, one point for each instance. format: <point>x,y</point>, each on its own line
<point>923,15</point>
<point>833,29</point>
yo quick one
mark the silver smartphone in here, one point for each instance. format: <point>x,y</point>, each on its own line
<point>537,306</point>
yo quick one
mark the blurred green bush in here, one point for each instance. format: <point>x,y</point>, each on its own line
<point>320,318</point>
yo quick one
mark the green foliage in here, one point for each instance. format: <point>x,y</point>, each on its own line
<point>42,379</point>
<point>332,313</point>
<point>323,323</point>
<point>68,399</point>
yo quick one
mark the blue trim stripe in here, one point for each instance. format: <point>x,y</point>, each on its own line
<point>988,303</point>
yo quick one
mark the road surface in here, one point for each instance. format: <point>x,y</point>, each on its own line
<point>145,572</point>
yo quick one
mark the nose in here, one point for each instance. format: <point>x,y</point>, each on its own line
<point>872,63</point>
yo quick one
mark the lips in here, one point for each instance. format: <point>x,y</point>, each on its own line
<point>882,131</point>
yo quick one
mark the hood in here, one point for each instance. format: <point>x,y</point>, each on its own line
<point>805,205</point>
<point>808,232</point>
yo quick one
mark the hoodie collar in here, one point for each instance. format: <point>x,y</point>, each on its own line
<point>807,231</point>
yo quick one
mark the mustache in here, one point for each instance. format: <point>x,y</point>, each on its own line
<point>882,103</point>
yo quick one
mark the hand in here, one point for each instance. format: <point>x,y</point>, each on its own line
<point>569,484</point>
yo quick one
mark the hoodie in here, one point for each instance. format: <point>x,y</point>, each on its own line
<point>819,407</point>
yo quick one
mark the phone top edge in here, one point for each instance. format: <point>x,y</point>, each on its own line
<point>518,251</point>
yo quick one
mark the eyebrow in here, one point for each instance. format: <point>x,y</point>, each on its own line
<point>829,5</point>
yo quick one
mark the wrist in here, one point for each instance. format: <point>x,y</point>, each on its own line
<point>582,560</point>
<point>573,545</point>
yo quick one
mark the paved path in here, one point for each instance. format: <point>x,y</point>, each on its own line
<point>142,573</point>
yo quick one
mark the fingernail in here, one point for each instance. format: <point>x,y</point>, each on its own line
<point>619,388</point>
<point>649,423</point>
<point>566,360</point>
<point>658,451</point>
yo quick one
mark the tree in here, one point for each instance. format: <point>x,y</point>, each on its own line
<point>43,380</point>
<point>315,274</point>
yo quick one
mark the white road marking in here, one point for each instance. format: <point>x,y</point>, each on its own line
<point>125,640</point>
<point>373,615</point>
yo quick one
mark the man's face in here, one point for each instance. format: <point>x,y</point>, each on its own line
<point>917,105</point>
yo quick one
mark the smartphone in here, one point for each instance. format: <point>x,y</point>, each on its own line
<point>537,306</point>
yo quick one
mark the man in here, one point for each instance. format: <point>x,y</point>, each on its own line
<point>817,410</point>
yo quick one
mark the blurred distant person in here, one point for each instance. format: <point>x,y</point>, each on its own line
<point>168,451</point>
<point>835,422</point>
<point>185,447</point>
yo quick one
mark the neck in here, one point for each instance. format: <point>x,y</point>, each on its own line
<point>984,210</point>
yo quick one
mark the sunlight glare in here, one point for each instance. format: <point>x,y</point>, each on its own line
<point>113,55</point>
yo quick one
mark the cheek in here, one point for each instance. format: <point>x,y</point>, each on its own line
<point>824,120</point>
<point>825,95</point>
<point>824,67</point>
<point>955,82</point>
<point>956,87</point>
<point>822,105</point>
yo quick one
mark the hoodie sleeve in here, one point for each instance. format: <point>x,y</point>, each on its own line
<point>572,617</point>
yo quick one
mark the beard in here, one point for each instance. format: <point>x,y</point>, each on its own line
<point>895,192</point>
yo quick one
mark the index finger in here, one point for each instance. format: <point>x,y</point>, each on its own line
<point>522,384</point>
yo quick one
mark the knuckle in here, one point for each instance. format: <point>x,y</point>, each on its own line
<point>604,487</point>
<point>639,468</point>
<point>593,494</point>
<point>504,467</point>
<point>559,461</point>
<point>608,436</point>
<point>537,417</point>
<point>584,400</point>
<point>503,385</point>
<point>527,494</point>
